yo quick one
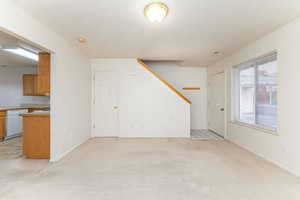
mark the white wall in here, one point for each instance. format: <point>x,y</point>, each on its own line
<point>11,86</point>
<point>148,108</point>
<point>284,149</point>
<point>186,76</point>
<point>70,79</point>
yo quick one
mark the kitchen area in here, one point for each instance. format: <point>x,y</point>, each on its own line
<point>24,100</point>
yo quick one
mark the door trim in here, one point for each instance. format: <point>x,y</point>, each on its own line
<point>93,123</point>
<point>226,112</point>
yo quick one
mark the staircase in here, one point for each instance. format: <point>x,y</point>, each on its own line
<point>164,81</point>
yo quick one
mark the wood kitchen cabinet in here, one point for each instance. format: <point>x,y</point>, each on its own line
<point>30,85</point>
<point>2,125</point>
<point>43,75</point>
<point>36,135</point>
<point>38,84</point>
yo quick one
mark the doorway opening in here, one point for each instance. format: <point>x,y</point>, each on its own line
<point>24,99</point>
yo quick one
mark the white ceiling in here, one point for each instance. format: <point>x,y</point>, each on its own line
<point>10,59</point>
<point>193,30</point>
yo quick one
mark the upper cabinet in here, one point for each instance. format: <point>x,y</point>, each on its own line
<point>30,85</point>
<point>38,84</point>
<point>43,75</point>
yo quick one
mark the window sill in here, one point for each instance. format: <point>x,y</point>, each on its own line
<point>256,127</point>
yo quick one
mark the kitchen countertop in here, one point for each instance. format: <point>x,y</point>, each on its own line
<point>21,107</point>
<point>36,114</point>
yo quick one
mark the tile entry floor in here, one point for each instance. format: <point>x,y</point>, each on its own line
<point>150,169</point>
<point>205,135</point>
<point>11,149</point>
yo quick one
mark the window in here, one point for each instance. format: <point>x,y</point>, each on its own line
<point>256,92</point>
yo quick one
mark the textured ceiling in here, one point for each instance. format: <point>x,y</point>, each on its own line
<point>193,30</point>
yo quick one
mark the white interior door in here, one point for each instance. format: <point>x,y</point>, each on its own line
<point>106,104</point>
<point>216,104</point>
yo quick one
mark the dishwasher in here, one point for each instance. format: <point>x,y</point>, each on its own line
<point>14,123</point>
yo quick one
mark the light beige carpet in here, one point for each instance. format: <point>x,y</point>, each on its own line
<point>151,169</point>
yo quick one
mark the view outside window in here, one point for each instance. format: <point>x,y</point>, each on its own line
<point>258,93</point>
<point>247,95</point>
<point>266,98</point>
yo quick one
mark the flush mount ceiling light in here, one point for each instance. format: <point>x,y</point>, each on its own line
<point>156,12</point>
<point>82,40</point>
<point>24,52</point>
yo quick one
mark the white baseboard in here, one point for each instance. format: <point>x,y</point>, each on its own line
<point>58,158</point>
<point>291,171</point>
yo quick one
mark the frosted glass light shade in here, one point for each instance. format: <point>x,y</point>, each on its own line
<point>156,12</point>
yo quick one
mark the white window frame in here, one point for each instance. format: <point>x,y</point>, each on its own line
<point>236,92</point>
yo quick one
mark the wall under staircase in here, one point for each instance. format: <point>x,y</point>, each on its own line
<point>191,81</point>
<point>149,105</point>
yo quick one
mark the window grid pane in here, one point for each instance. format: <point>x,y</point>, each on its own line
<point>247,95</point>
<point>266,97</point>
<point>258,92</point>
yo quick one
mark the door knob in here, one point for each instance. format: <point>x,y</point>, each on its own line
<point>222,109</point>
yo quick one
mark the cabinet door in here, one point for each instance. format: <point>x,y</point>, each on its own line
<point>43,78</point>
<point>36,137</point>
<point>28,85</point>
<point>2,125</point>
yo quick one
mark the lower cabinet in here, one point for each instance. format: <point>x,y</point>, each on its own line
<point>2,125</point>
<point>36,136</point>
